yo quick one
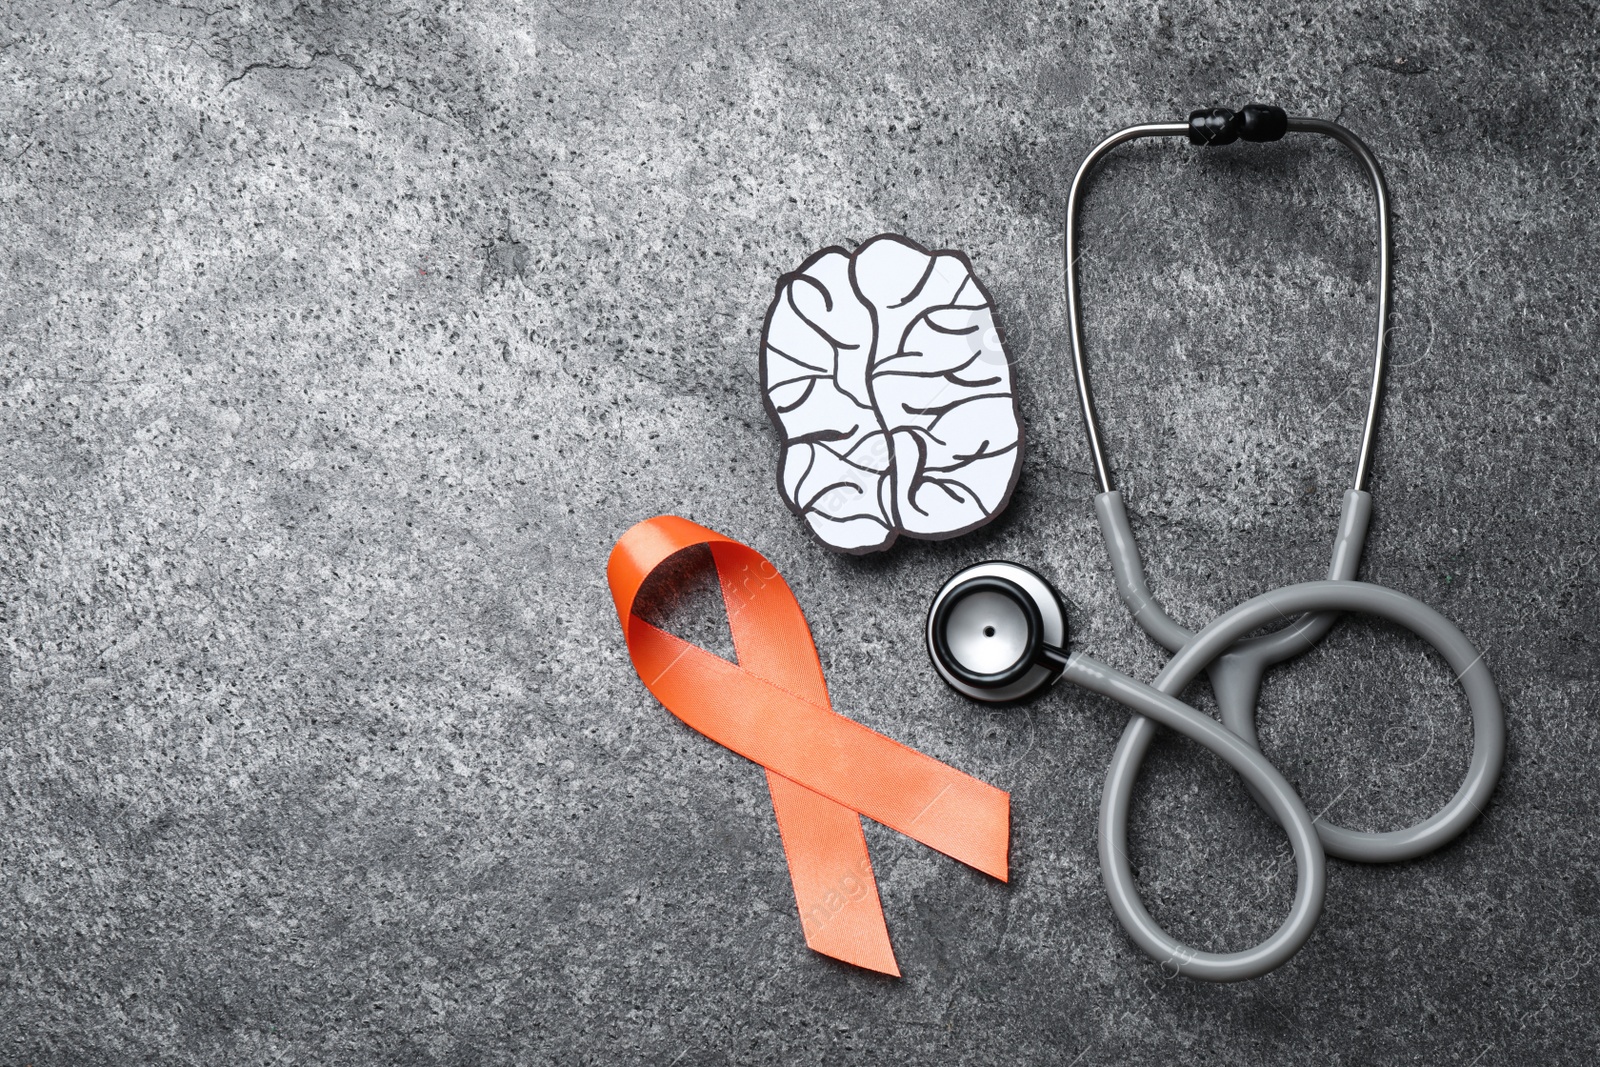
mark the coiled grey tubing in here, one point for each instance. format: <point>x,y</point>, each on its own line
<point>1236,661</point>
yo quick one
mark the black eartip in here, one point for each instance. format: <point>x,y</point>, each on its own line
<point>1212,126</point>
<point>1218,126</point>
<point>1263,122</point>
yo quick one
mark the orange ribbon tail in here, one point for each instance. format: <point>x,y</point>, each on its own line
<point>823,770</point>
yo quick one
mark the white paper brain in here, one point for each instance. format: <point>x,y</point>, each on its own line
<point>887,378</point>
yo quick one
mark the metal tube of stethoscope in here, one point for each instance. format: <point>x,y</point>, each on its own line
<point>1091,423</point>
<point>1292,124</point>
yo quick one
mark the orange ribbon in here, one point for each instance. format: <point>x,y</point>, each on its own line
<point>823,770</point>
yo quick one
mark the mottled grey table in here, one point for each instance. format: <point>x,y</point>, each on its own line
<point>340,341</point>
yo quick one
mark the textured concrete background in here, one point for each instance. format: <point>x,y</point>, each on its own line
<point>340,341</point>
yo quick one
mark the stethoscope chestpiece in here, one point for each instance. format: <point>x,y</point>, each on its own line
<point>997,632</point>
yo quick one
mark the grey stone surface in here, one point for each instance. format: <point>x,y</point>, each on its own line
<point>341,340</point>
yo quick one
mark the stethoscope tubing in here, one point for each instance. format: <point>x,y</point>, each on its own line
<point>1156,703</point>
<point>1488,718</point>
<point>1236,660</point>
<point>1152,706</point>
<point>1229,648</point>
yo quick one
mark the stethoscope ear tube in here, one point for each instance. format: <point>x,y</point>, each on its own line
<point>1204,128</point>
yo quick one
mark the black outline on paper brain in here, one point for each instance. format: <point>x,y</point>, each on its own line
<point>886,375</point>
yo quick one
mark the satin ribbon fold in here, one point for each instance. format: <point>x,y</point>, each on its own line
<point>824,771</point>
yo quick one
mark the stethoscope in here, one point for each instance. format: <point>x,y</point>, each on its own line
<point>997,632</point>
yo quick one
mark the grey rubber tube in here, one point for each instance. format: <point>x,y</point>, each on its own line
<point>1311,877</point>
<point>1236,674</point>
<point>1195,655</point>
<point>1128,572</point>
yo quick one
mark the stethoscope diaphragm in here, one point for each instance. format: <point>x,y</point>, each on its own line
<point>996,632</point>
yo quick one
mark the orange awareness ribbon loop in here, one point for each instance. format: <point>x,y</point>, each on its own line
<point>823,770</point>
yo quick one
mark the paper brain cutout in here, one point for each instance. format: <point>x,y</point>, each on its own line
<point>887,378</point>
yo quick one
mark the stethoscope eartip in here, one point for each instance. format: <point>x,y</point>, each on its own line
<point>997,631</point>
